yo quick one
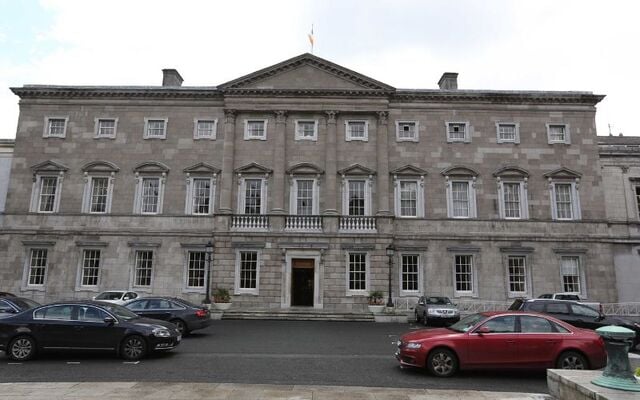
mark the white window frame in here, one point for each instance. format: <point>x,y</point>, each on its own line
<point>347,130</point>
<point>368,182</point>
<point>36,191</point>
<point>416,130</point>
<point>582,283</point>
<point>97,134</point>
<point>298,133</point>
<point>242,194</point>
<point>567,133</point>
<point>471,182</point>
<point>250,291</point>
<point>87,196</point>
<point>146,128</point>
<point>134,270</point>
<point>79,284</point>
<point>293,195</point>
<point>474,276</point>
<point>420,271</point>
<point>137,203</point>
<point>467,133</point>
<point>523,193</point>
<point>246,129</point>
<point>420,201</point>
<point>576,213</point>
<point>196,131</point>
<point>515,140</point>
<point>27,269</point>
<point>47,128</point>
<point>195,289</point>
<point>527,276</point>
<point>636,195</point>
<point>367,284</point>
<point>189,200</point>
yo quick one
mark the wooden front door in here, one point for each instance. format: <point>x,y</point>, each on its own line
<point>302,282</point>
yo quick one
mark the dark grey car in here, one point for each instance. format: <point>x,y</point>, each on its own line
<point>185,315</point>
<point>436,310</point>
<point>14,305</point>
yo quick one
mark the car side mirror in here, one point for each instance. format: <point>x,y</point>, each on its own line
<point>482,330</point>
<point>109,321</point>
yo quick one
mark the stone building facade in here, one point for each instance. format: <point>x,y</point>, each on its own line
<point>302,175</point>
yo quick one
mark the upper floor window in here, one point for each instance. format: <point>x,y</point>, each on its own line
<point>508,132</point>
<point>98,187</point>
<point>637,191</point>
<point>458,132</point>
<point>205,128</point>
<point>200,196</point>
<point>565,204</point>
<point>255,129</point>
<point>408,184</point>
<point>252,196</point>
<point>155,128</point>
<point>513,199</point>
<point>407,131</point>
<point>306,130</point>
<point>357,130</point>
<point>99,194</point>
<point>304,197</point>
<point>149,194</point>
<point>55,127</point>
<point>106,128</point>
<point>357,197</point>
<point>47,200</point>
<point>558,133</point>
<point>461,198</point>
<point>47,187</point>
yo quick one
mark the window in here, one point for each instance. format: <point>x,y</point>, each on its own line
<point>463,274</point>
<point>304,197</point>
<point>196,269</point>
<point>149,193</point>
<point>506,324</point>
<point>558,133</point>
<point>529,324</point>
<point>90,267</point>
<point>460,184</point>
<point>306,130</point>
<point>255,129</point>
<point>460,199</point>
<point>508,132</point>
<point>406,131</point>
<point>557,308</point>
<point>513,202</point>
<point>46,189</point>
<point>637,190</point>
<point>570,274</point>
<point>517,270</point>
<point>143,268</point>
<point>99,195</point>
<point>48,194</point>
<point>410,272</point>
<point>356,197</point>
<point>409,198</point>
<point>201,196</point>
<point>205,128</point>
<point>55,127</point>
<point>155,128</point>
<point>91,314</point>
<point>458,132</point>
<point>37,267</point>
<point>252,196</point>
<point>357,130</point>
<point>565,202</point>
<point>62,312</point>
<point>357,272</point>
<point>106,128</point>
<point>247,271</point>
<point>584,311</point>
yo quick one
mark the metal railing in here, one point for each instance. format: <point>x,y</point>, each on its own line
<point>248,222</point>
<point>357,224</point>
<point>303,223</point>
<point>623,309</point>
<point>465,306</point>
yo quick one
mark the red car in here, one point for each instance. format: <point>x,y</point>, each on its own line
<point>502,340</point>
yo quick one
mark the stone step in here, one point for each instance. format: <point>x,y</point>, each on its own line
<point>297,315</point>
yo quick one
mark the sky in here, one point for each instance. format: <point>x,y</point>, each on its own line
<point>493,44</point>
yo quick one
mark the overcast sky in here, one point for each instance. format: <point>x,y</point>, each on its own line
<point>493,44</point>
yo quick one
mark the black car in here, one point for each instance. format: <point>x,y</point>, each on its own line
<point>7,294</point>
<point>88,325</point>
<point>575,313</point>
<point>14,305</point>
<point>183,314</point>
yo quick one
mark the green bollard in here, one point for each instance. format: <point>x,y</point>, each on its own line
<point>617,374</point>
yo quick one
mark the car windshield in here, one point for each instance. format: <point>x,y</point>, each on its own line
<point>467,322</point>
<point>120,311</point>
<point>438,300</point>
<point>109,296</point>
<point>25,304</point>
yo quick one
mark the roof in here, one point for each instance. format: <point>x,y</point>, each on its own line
<point>619,140</point>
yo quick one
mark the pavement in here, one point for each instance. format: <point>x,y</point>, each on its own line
<point>228,391</point>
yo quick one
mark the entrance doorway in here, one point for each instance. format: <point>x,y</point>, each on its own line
<point>302,274</point>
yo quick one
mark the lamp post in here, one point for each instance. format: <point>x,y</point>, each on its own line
<point>390,252</point>
<point>209,251</point>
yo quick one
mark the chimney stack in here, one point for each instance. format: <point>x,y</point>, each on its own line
<point>171,77</point>
<point>449,81</point>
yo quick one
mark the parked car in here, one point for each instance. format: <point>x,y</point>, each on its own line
<point>183,314</point>
<point>7,294</point>
<point>502,340</point>
<point>436,310</point>
<point>576,314</point>
<point>84,325</point>
<point>14,305</point>
<point>116,296</point>
<point>572,297</point>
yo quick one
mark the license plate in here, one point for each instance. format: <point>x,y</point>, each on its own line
<point>179,338</point>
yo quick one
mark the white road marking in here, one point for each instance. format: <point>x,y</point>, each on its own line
<point>131,362</point>
<point>73,362</point>
<point>14,363</point>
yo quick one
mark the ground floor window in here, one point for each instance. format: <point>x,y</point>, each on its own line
<point>357,271</point>
<point>247,272</point>
<point>410,272</point>
<point>90,267</point>
<point>463,274</point>
<point>570,273</point>
<point>196,269</point>
<point>143,268</point>
<point>517,274</point>
<point>37,267</point>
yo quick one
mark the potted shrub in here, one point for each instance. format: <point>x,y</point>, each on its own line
<point>376,301</point>
<point>222,299</point>
<point>638,374</point>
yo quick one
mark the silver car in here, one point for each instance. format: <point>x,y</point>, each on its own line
<point>436,310</point>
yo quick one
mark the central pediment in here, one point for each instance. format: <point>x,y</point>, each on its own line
<point>305,72</point>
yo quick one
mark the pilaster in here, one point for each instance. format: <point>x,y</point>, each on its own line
<point>279,163</point>
<point>226,184</point>
<point>382,161</point>
<point>331,161</point>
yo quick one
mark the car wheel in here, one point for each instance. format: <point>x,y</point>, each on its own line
<point>133,348</point>
<point>442,363</point>
<point>22,348</point>
<point>572,360</point>
<point>182,327</point>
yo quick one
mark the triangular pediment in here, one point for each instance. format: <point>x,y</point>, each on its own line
<point>253,168</point>
<point>563,173</point>
<point>307,72</point>
<point>356,169</point>
<point>202,168</point>
<point>49,166</point>
<point>305,169</point>
<point>409,170</point>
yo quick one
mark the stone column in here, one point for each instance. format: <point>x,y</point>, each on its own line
<point>279,163</point>
<point>331,168</point>
<point>226,184</point>
<point>382,148</point>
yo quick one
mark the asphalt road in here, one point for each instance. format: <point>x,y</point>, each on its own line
<point>272,352</point>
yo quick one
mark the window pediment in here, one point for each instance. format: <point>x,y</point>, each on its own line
<point>356,170</point>
<point>253,169</point>
<point>49,166</point>
<point>563,173</point>
<point>100,166</point>
<point>305,169</point>
<point>511,171</point>
<point>202,168</point>
<point>151,167</point>
<point>409,170</point>
<point>459,170</point>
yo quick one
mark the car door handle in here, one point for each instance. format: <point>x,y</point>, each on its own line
<point>552,341</point>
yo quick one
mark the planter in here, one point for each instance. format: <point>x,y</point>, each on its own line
<point>376,309</point>
<point>222,306</point>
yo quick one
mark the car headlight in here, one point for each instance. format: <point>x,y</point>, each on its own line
<point>432,311</point>
<point>161,332</point>
<point>414,345</point>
